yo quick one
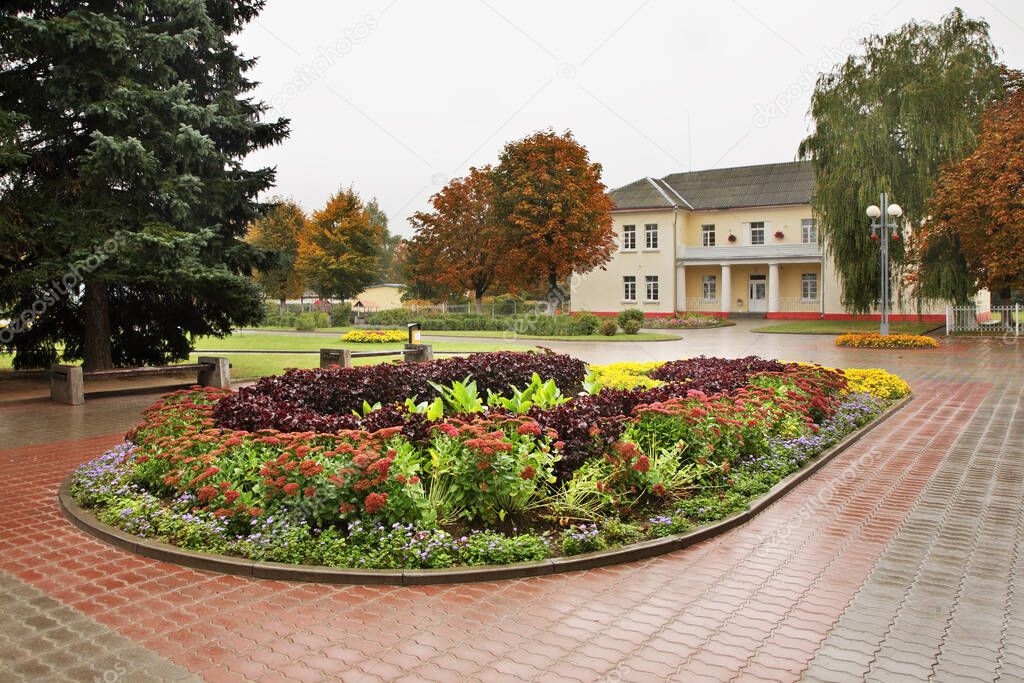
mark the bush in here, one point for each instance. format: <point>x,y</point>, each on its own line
<point>873,340</point>
<point>341,315</point>
<point>629,314</point>
<point>305,322</point>
<point>609,327</point>
<point>631,326</point>
<point>316,399</point>
<point>586,323</point>
<point>714,374</point>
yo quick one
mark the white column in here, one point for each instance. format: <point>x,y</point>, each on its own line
<point>773,287</point>
<point>725,291</point>
<point>680,288</point>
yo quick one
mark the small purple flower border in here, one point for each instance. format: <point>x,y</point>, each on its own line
<point>86,521</point>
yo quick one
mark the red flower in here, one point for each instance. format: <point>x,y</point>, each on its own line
<point>658,490</point>
<point>642,464</point>
<point>231,496</point>
<point>309,491</point>
<point>528,472</point>
<point>206,494</point>
<point>291,489</point>
<point>346,508</point>
<point>375,502</point>
<point>529,429</point>
<point>413,480</point>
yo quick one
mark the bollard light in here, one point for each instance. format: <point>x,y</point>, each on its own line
<point>414,332</point>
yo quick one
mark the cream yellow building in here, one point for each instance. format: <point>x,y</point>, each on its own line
<point>723,241</point>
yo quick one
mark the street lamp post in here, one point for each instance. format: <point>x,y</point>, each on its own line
<point>880,231</point>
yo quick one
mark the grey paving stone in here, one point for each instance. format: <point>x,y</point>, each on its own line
<point>42,640</point>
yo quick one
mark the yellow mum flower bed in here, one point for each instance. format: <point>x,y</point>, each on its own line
<point>876,382</point>
<point>374,336</point>
<point>625,375</point>
<point>874,340</point>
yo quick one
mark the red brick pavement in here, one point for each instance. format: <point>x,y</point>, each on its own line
<point>753,604</point>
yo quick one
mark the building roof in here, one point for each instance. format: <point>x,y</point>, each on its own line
<point>721,188</point>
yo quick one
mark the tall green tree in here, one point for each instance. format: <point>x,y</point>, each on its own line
<point>887,120</point>
<point>339,249</point>
<point>124,127</point>
<point>277,232</point>
<point>389,268</point>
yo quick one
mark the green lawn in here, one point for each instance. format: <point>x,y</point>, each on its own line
<point>501,334</point>
<point>844,326</point>
<point>251,365</point>
<point>297,341</point>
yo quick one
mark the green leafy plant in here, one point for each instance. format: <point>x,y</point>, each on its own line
<point>538,393</point>
<point>460,397</point>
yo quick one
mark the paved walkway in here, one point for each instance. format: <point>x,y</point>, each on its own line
<point>899,559</point>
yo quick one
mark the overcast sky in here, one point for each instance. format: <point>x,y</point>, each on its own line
<point>396,97</point>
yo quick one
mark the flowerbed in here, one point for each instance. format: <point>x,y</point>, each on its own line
<point>490,459</point>
<point>688,321</point>
<point>374,336</point>
<point>873,340</point>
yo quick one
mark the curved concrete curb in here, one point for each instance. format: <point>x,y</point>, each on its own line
<point>86,521</point>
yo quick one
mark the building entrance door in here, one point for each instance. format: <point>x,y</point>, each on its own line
<point>758,294</point>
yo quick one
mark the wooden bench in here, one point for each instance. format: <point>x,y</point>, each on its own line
<point>67,382</point>
<point>342,358</point>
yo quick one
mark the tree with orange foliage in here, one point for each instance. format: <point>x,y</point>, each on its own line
<point>458,246</point>
<point>339,247</point>
<point>549,198</point>
<point>978,203</point>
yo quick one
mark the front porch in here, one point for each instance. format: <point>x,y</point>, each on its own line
<point>763,289</point>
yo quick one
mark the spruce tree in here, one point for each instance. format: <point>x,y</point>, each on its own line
<point>123,199</point>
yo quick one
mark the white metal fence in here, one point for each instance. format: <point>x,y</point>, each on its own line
<point>997,320</point>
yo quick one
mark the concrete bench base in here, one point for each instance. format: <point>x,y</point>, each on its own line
<point>67,382</point>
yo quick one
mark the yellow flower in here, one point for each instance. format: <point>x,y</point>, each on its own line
<point>374,336</point>
<point>876,382</point>
<point>873,340</point>
<point>626,375</point>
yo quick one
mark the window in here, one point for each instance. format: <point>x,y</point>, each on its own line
<point>709,288</point>
<point>629,288</point>
<point>628,237</point>
<point>757,233</point>
<point>809,231</point>
<point>809,286</point>
<point>652,287</point>
<point>707,233</point>
<point>651,236</point>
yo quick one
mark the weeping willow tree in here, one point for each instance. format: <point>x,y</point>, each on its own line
<point>887,120</point>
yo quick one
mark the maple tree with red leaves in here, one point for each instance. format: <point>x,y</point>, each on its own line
<point>978,201</point>
<point>458,246</point>
<point>549,198</point>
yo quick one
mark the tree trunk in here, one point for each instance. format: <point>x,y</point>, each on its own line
<point>283,306</point>
<point>97,349</point>
<point>479,301</point>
